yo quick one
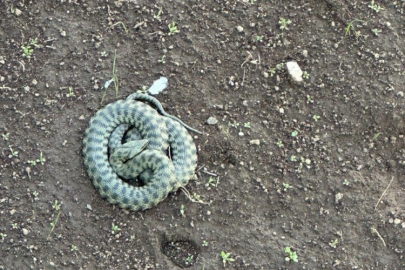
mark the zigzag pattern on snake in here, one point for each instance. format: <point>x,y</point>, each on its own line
<point>158,131</point>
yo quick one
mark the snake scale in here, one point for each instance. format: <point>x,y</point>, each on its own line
<point>108,162</point>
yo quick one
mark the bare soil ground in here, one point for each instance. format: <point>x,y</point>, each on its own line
<point>317,167</point>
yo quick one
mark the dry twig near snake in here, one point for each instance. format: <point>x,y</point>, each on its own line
<point>158,131</point>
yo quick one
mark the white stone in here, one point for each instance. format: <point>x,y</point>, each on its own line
<point>212,120</point>
<point>397,221</point>
<point>338,197</point>
<point>239,28</point>
<point>158,86</point>
<point>17,12</point>
<point>294,71</point>
<point>255,142</point>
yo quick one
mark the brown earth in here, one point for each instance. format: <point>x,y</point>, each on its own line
<point>326,180</point>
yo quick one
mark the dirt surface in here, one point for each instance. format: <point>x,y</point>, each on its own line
<point>316,166</point>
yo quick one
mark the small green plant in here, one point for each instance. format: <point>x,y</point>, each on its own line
<point>157,16</point>
<point>375,137</point>
<point>292,255</point>
<point>294,133</point>
<point>5,136</point>
<point>280,66</point>
<point>210,182</point>
<point>346,182</point>
<point>3,236</point>
<point>259,38</point>
<point>280,144</point>
<point>70,93</point>
<point>247,125</point>
<point>272,71</point>
<point>287,186</point>
<point>376,31</point>
<point>305,75</point>
<point>350,26</point>
<point>113,79</point>
<point>284,23</point>
<point>293,158</point>
<point>41,160</point>
<point>173,28</point>
<point>56,205</point>
<point>375,7</point>
<point>163,59</point>
<point>54,222</point>
<point>132,238</point>
<point>104,54</point>
<point>204,243</point>
<point>316,117</point>
<point>334,243</point>
<point>309,99</point>
<point>35,193</point>
<point>182,211</point>
<point>74,248</point>
<point>14,225</point>
<point>13,153</point>
<point>226,257</point>
<point>197,198</point>
<point>28,49</point>
<point>189,259</point>
<point>234,124</point>
<point>115,229</point>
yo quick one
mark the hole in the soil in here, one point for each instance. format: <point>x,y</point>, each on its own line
<point>182,253</point>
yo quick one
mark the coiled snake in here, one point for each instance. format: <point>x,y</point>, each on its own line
<point>147,156</point>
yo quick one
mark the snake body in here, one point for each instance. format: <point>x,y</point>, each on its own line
<point>160,131</point>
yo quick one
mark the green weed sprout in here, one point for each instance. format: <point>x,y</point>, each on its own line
<point>292,255</point>
<point>226,257</point>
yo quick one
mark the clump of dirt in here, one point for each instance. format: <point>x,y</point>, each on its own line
<point>182,253</point>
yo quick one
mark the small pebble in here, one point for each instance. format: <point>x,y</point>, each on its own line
<point>239,28</point>
<point>17,12</point>
<point>63,33</point>
<point>338,197</point>
<point>34,82</point>
<point>305,53</point>
<point>88,206</point>
<point>82,117</point>
<point>294,71</point>
<point>12,212</point>
<point>25,231</point>
<point>212,120</point>
<point>241,134</point>
<point>397,221</point>
<point>255,142</point>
